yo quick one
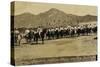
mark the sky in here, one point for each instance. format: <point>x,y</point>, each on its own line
<point>36,8</point>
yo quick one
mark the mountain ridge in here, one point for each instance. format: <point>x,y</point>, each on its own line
<point>51,18</point>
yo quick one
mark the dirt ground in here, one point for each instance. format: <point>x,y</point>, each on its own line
<point>76,46</point>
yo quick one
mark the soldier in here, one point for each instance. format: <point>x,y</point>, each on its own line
<point>83,30</point>
<point>94,29</point>
<point>26,35</point>
<point>75,30</point>
<point>42,34</point>
<point>52,33</point>
<point>57,33</point>
<point>36,36</point>
<point>48,34</point>
<point>61,31</point>
<point>78,31</point>
<point>90,28</point>
<point>86,29</point>
<point>72,31</point>
<point>17,37</point>
<point>39,30</point>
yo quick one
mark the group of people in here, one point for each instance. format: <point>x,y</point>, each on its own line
<point>40,34</point>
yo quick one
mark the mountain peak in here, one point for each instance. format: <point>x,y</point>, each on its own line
<point>53,9</point>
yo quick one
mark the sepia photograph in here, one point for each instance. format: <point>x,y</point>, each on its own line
<point>45,33</point>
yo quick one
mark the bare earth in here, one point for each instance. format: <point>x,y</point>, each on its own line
<point>65,47</point>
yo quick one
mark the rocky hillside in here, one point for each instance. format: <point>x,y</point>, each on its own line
<point>50,18</point>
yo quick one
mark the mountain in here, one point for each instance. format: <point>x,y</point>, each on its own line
<point>50,18</point>
<point>23,20</point>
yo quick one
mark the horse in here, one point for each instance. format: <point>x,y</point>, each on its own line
<point>30,36</point>
<point>42,34</point>
<point>48,34</point>
<point>17,38</point>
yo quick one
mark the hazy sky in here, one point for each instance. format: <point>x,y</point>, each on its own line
<point>36,8</point>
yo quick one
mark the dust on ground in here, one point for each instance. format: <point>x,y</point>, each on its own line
<point>75,46</point>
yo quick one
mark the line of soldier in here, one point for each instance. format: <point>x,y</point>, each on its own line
<point>36,34</point>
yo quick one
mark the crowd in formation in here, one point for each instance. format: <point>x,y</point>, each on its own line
<point>34,35</point>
